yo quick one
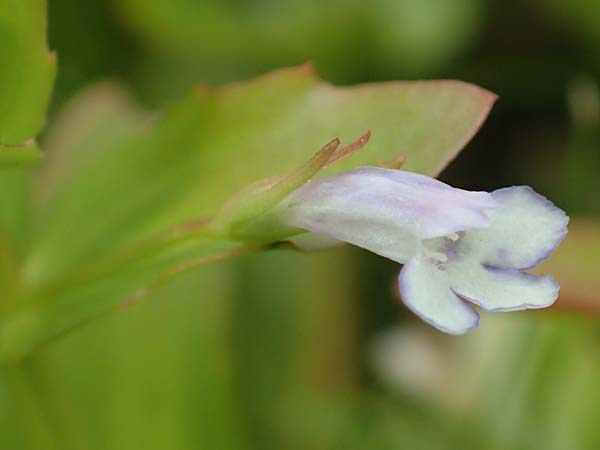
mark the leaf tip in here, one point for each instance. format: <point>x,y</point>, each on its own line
<point>328,151</point>
<point>349,150</point>
<point>487,101</point>
<point>395,163</point>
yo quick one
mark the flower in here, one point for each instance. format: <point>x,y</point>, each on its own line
<point>458,247</point>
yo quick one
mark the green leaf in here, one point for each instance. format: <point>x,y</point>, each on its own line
<point>26,81</point>
<point>48,312</point>
<point>132,184</point>
<point>397,36</point>
<point>580,16</point>
<point>122,198</point>
<point>27,70</point>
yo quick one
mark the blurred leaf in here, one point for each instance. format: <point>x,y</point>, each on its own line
<point>161,376</point>
<point>575,266</point>
<point>421,35</point>
<point>15,204</point>
<point>88,124</point>
<point>224,31</point>
<point>26,79</point>
<point>212,39</point>
<point>295,337</point>
<point>530,379</point>
<point>27,70</point>
<point>579,183</point>
<point>580,16</point>
<point>90,44</point>
<point>25,83</point>
<point>24,423</point>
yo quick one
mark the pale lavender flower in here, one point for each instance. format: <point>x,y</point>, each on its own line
<point>457,247</point>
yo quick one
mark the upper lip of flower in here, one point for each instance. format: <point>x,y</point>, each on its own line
<point>386,211</point>
<point>413,219</point>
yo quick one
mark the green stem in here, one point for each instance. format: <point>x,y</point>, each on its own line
<point>19,155</point>
<point>54,309</point>
<point>9,277</point>
<point>109,266</point>
<point>29,412</point>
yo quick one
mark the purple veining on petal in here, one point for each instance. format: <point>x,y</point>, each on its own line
<point>451,248</point>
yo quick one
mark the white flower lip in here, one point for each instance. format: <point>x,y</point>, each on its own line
<point>458,247</point>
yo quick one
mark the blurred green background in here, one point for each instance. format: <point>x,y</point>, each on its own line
<point>282,350</point>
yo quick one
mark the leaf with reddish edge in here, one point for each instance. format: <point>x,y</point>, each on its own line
<point>134,187</point>
<point>215,142</point>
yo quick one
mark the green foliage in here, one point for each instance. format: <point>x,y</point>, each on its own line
<point>272,351</point>
<point>580,15</point>
<point>139,191</point>
<point>342,37</point>
<point>213,143</point>
<point>27,70</point>
<point>26,80</point>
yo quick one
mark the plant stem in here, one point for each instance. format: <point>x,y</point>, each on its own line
<point>29,409</point>
<point>58,307</point>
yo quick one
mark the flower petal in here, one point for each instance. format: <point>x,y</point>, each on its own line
<point>386,211</point>
<point>525,230</point>
<point>425,289</point>
<point>496,289</point>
